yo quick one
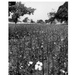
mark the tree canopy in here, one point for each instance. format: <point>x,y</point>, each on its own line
<point>18,9</point>
<point>51,16</point>
<point>62,13</point>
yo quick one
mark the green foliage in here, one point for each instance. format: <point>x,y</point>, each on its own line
<point>19,10</point>
<point>40,21</point>
<point>51,20</point>
<point>26,19</point>
<point>51,16</point>
<point>38,42</point>
<point>32,21</point>
<point>62,13</point>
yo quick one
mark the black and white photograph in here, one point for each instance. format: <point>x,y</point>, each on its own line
<point>37,38</point>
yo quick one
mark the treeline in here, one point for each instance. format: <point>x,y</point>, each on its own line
<point>17,9</point>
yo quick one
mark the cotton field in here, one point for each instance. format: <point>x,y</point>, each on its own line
<point>38,49</point>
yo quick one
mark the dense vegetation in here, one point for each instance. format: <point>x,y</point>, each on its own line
<point>61,15</point>
<point>18,9</point>
<point>46,43</point>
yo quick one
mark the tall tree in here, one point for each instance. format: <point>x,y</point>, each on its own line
<point>62,13</point>
<point>18,9</point>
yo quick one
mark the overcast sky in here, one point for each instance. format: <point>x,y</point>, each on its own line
<point>42,8</point>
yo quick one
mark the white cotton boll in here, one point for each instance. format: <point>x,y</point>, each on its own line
<point>62,38</point>
<point>55,43</point>
<point>30,63</point>
<point>39,63</point>
<point>41,46</point>
<point>62,70</point>
<point>38,66</point>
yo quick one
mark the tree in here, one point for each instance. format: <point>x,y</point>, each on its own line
<point>47,21</point>
<point>62,13</point>
<point>18,9</point>
<point>26,19</point>
<point>51,16</point>
<point>51,20</point>
<point>32,21</point>
<point>40,21</point>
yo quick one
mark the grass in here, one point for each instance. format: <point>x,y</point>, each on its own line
<point>33,42</point>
